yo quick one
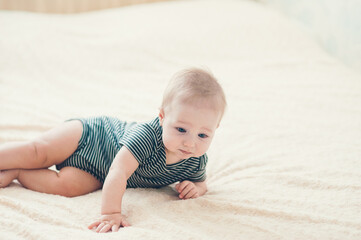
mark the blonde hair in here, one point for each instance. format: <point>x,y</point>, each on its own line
<point>193,85</point>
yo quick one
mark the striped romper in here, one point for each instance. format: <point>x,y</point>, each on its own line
<point>103,137</point>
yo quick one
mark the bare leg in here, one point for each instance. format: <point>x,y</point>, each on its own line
<point>51,148</point>
<point>69,182</point>
<point>7,176</point>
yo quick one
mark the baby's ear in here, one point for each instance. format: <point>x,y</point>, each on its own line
<point>161,116</point>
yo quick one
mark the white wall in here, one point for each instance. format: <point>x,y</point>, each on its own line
<point>336,24</point>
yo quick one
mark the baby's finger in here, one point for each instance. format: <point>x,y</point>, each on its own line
<point>106,228</point>
<point>190,194</point>
<point>125,223</point>
<point>115,228</point>
<point>93,225</point>
<point>186,190</point>
<point>183,185</point>
<point>100,227</point>
<point>196,195</point>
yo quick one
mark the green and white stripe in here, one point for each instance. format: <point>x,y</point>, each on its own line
<point>104,136</point>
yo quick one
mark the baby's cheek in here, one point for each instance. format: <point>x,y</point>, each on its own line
<point>168,141</point>
<point>203,149</point>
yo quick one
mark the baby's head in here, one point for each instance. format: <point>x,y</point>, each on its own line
<point>197,87</point>
<point>192,108</point>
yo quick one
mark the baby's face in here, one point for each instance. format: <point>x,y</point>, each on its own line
<point>188,129</point>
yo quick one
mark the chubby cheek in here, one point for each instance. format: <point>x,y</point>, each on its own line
<point>202,149</point>
<point>203,146</point>
<point>169,141</point>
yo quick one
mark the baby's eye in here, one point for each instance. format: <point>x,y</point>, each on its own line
<point>202,135</point>
<point>182,130</point>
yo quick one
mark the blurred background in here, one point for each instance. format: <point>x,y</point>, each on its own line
<point>335,24</point>
<point>67,6</point>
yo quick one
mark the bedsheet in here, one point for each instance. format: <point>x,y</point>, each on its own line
<point>286,159</point>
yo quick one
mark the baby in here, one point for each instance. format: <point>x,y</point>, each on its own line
<point>104,152</point>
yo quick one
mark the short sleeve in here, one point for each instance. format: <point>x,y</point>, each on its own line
<point>140,140</point>
<point>200,175</point>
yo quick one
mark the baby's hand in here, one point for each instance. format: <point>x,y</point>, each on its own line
<point>187,190</point>
<point>109,222</point>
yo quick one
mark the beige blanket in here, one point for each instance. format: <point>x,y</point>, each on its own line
<point>286,160</point>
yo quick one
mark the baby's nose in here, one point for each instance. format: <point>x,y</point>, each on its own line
<point>189,142</point>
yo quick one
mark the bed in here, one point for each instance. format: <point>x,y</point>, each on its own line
<point>285,162</point>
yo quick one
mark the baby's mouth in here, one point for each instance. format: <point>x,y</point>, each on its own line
<point>185,152</point>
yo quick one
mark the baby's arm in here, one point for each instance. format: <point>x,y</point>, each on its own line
<point>188,189</point>
<point>123,166</point>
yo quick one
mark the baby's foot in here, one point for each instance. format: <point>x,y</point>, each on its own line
<point>7,176</point>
